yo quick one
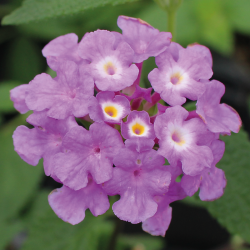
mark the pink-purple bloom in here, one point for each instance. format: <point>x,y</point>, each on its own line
<point>61,49</point>
<point>179,79</point>
<point>67,94</point>
<point>137,178</point>
<point>108,107</point>
<point>145,40</point>
<point>110,61</point>
<point>42,141</point>
<point>211,181</point>
<point>219,118</point>
<point>159,223</point>
<point>87,152</point>
<point>138,126</point>
<point>184,141</point>
<point>70,205</point>
<point>18,95</point>
<point>124,133</point>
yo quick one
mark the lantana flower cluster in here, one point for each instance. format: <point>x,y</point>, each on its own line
<point>125,150</point>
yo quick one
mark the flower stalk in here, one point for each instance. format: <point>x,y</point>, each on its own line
<point>170,6</point>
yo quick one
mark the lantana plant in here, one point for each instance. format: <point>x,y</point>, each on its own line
<point>125,150</point>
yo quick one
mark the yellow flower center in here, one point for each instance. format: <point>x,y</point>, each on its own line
<point>111,111</point>
<point>109,68</point>
<point>138,129</point>
<point>176,78</point>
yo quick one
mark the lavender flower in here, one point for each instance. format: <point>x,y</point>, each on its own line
<point>96,163</point>
<point>70,205</point>
<point>109,60</point>
<point>108,107</point>
<point>65,95</point>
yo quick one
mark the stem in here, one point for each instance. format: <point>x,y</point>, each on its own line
<point>139,65</point>
<point>171,22</point>
<point>114,236</point>
<point>170,6</point>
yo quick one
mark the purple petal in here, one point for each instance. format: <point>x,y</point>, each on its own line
<point>17,95</point>
<point>87,152</point>
<point>145,40</point>
<point>108,107</point>
<point>110,63</point>
<point>138,126</point>
<point>191,184</point>
<point>197,67</point>
<point>159,223</point>
<point>70,205</point>
<point>60,45</point>
<point>137,178</point>
<point>139,145</point>
<point>65,95</point>
<point>212,185</point>
<point>136,190</point>
<point>218,149</point>
<point>44,140</point>
<point>220,118</point>
<point>182,140</point>
<point>29,144</point>
<point>201,51</point>
<point>60,49</point>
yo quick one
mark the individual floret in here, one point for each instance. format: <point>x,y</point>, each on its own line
<point>138,96</point>
<point>178,80</point>
<point>108,107</point>
<point>184,141</point>
<point>137,178</point>
<point>109,60</point>
<point>219,118</point>
<point>62,48</point>
<point>211,181</point>
<point>42,141</point>
<point>199,51</point>
<point>70,205</point>
<point>18,95</point>
<point>145,40</point>
<point>159,223</point>
<point>138,126</point>
<point>87,152</point>
<point>65,95</point>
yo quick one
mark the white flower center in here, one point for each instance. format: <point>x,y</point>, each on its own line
<point>109,67</point>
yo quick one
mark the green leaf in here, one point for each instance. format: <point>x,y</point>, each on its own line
<point>51,72</point>
<point>6,105</point>
<point>187,27</point>
<point>1,119</point>
<point>34,10</point>
<point>80,23</point>
<point>190,106</point>
<point>24,60</point>
<point>238,14</point>
<point>205,22</point>
<point>232,210</point>
<point>47,231</point>
<point>7,231</point>
<point>215,30</point>
<point>146,242</point>
<point>7,33</point>
<point>18,182</point>
<point>148,66</point>
<point>150,13</point>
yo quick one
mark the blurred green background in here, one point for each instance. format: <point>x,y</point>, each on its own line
<point>26,220</point>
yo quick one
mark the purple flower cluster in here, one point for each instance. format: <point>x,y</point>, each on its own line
<point>124,151</point>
